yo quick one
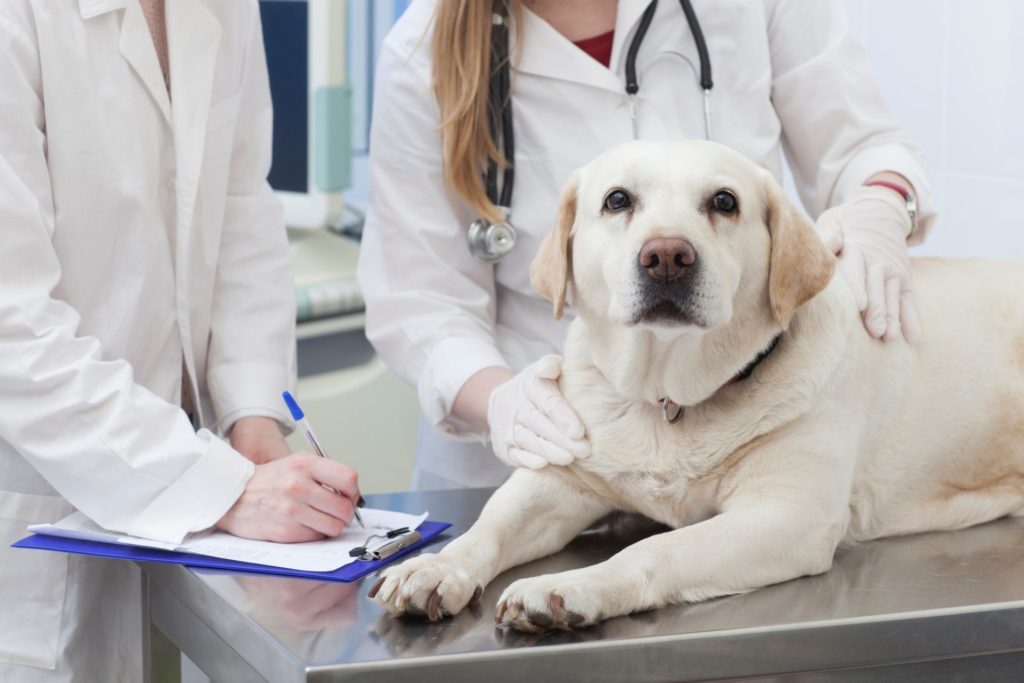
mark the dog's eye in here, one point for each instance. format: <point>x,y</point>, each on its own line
<point>617,200</point>
<point>724,202</point>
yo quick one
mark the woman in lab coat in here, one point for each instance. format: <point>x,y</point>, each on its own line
<point>789,76</point>
<point>144,268</point>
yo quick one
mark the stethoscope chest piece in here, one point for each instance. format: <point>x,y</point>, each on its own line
<point>489,242</point>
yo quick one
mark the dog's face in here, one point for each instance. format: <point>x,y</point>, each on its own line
<point>677,236</point>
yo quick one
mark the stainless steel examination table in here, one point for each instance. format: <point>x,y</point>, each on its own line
<point>931,607</point>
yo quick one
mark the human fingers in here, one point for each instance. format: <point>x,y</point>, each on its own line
<point>315,520</point>
<point>332,504</point>
<point>527,440</point>
<point>269,508</point>
<point>548,399</point>
<point>293,532</point>
<point>338,476</point>
<point>543,426</point>
<point>291,494</point>
<point>874,312</point>
<point>260,524</point>
<point>520,458</point>
<point>548,367</point>
<point>892,309</point>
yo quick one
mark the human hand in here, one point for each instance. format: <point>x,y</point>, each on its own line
<point>869,235</point>
<point>259,439</point>
<point>532,425</point>
<point>285,500</point>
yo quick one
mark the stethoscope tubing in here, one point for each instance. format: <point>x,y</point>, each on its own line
<point>500,111</point>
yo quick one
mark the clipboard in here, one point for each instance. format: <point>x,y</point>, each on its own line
<point>428,530</point>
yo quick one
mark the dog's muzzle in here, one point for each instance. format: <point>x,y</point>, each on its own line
<point>668,273</point>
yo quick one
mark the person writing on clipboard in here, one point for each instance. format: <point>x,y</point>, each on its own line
<point>144,269</point>
<point>482,111</point>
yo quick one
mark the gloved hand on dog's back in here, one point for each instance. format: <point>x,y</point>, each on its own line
<point>869,234</point>
<point>531,422</point>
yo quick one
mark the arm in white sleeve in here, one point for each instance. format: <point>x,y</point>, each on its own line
<point>252,340</point>
<point>430,306</point>
<point>124,457</point>
<point>837,129</point>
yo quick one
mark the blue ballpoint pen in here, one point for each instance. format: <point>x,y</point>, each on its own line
<point>303,424</point>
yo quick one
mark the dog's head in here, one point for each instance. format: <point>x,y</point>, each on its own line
<point>678,235</point>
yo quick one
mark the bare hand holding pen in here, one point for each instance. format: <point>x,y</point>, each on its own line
<point>285,500</point>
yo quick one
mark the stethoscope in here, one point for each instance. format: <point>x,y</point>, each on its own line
<point>490,242</point>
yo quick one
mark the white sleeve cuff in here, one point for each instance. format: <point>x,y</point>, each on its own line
<point>197,499</point>
<point>895,158</point>
<point>241,389</point>
<point>451,363</point>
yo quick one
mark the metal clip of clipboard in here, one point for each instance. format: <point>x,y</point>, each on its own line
<point>388,549</point>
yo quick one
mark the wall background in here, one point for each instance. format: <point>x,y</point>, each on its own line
<point>953,73</point>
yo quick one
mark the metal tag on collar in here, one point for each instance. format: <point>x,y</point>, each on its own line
<point>668,407</point>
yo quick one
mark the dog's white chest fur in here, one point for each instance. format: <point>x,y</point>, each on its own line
<point>640,461</point>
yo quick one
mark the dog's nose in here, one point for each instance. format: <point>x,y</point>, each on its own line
<point>667,258</point>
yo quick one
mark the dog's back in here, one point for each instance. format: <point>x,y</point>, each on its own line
<point>943,446</point>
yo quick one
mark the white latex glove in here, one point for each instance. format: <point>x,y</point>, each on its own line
<point>532,425</point>
<point>869,234</point>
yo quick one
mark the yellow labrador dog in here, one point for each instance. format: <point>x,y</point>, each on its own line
<point>730,391</point>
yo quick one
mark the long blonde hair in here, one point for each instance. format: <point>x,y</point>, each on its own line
<point>461,52</point>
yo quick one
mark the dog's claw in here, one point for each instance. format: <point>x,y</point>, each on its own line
<point>376,588</point>
<point>476,595</point>
<point>434,606</point>
<point>502,606</point>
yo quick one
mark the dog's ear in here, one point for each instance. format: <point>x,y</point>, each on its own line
<point>800,265</point>
<point>552,266</point>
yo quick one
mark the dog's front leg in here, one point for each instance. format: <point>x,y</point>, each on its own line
<point>772,527</point>
<point>535,513</point>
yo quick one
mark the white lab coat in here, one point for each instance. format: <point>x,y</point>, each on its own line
<point>789,76</point>
<point>139,235</point>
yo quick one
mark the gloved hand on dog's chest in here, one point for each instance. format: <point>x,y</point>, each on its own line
<point>531,422</point>
<point>869,235</point>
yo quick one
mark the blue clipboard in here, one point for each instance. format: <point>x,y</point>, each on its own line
<point>350,572</point>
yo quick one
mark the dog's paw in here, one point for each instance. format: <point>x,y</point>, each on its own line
<point>431,586</point>
<point>544,603</point>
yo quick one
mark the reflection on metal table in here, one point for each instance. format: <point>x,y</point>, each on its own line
<point>930,607</point>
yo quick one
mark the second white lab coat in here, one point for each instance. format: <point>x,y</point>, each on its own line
<point>139,236</point>
<point>789,76</point>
